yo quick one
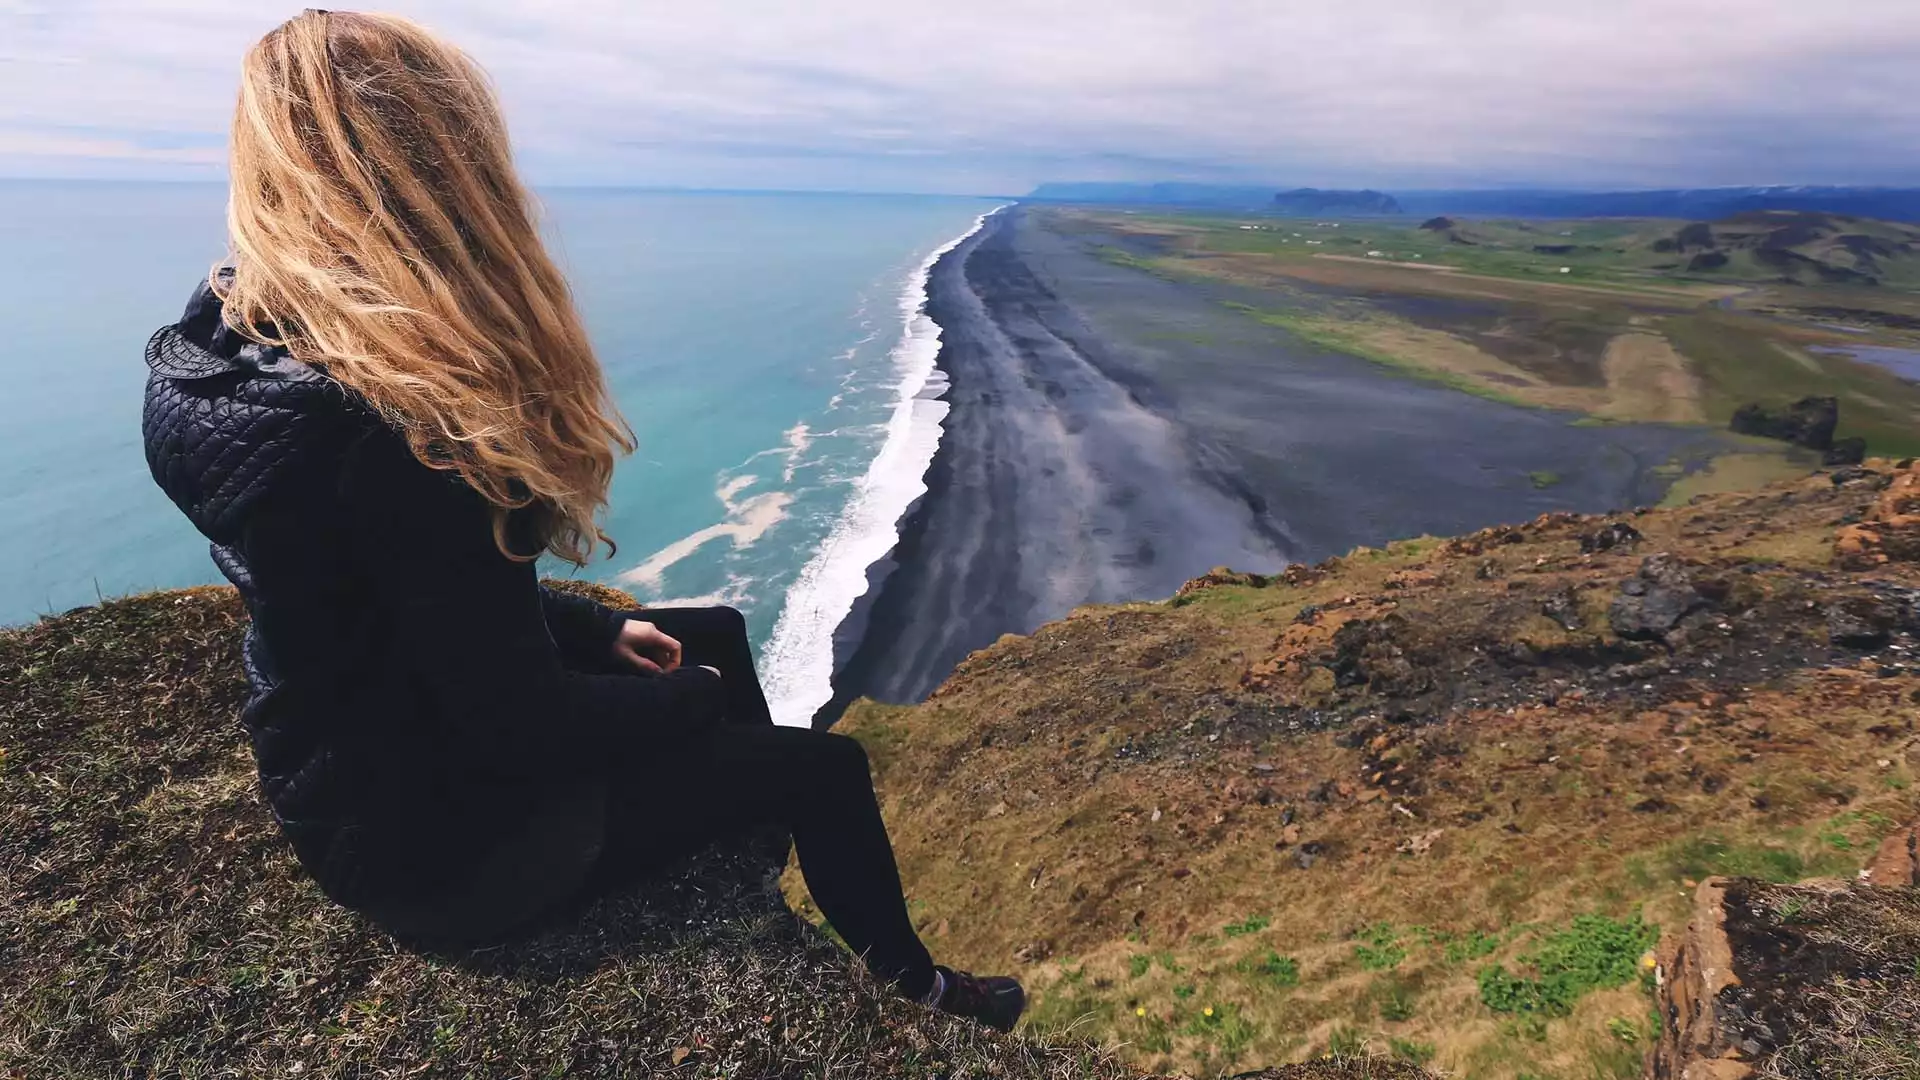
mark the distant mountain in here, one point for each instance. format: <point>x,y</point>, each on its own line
<point>1697,204</point>
<point>1216,196</point>
<point>1803,247</point>
<point>1312,202</point>
<point>1889,204</point>
<point>1300,202</point>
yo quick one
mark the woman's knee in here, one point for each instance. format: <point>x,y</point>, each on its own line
<point>730,620</point>
<point>841,752</point>
<point>716,625</point>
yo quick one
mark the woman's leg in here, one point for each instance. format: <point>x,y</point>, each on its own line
<point>716,637</point>
<point>814,782</point>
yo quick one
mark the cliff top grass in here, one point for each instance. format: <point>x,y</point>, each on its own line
<point>153,923</point>
<point>1432,801</point>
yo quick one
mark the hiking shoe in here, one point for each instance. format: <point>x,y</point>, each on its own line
<point>994,1000</point>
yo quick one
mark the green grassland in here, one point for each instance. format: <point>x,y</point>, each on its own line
<point>1619,319</point>
<point>1625,253</point>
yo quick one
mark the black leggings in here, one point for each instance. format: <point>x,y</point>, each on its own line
<point>750,773</point>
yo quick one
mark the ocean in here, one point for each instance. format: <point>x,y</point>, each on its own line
<point>769,350</point>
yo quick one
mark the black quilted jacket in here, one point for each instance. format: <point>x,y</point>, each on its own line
<point>415,692</point>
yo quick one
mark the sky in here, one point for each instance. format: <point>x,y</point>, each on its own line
<point>995,96</point>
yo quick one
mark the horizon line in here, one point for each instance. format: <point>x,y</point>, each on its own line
<point>684,189</point>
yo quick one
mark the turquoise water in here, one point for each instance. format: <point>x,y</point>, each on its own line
<point>764,347</point>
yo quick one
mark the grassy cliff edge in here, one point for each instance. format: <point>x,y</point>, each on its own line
<point>152,922</point>
<point>1434,802</point>
<point>1423,806</point>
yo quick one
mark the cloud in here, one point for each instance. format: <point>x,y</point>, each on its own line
<point>994,95</point>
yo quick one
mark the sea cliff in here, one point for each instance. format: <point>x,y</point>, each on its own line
<point>1438,799</point>
<point>1431,801</point>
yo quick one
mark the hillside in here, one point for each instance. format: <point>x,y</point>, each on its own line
<point>1800,248</point>
<point>152,923</point>
<point>1897,204</point>
<point>1430,803</point>
<point>1435,801</point>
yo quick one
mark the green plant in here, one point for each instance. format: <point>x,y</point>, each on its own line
<point>1614,1061</point>
<point>1395,998</point>
<point>1624,1030</point>
<point>1154,1035</point>
<point>1345,1042</point>
<point>1379,948</point>
<point>1593,951</point>
<point>1183,991</point>
<point>1280,970</point>
<point>1253,924</point>
<point>1416,1053</point>
<point>1138,964</point>
<point>1473,946</point>
<point>1703,856</point>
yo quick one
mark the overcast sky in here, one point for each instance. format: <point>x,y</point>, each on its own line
<point>993,96</point>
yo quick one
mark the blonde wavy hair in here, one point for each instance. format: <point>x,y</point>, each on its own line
<point>380,233</point>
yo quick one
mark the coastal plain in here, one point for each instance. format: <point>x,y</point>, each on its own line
<point>1137,398</point>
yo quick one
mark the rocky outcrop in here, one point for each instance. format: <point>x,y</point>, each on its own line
<point>1889,532</point>
<point>1812,980</point>
<point>1692,968</point>
<point>1848,451</point>
<point>1653,602</point>
<point>1218,576</point>
<point>1808,422</point>
<point>1897,863</point>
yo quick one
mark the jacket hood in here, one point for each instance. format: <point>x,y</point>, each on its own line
<point>229,421</point>
<point>201,345</point>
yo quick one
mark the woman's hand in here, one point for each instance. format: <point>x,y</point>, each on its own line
<point>642,645</point>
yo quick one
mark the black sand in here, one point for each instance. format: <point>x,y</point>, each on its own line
<point>1114,433</point>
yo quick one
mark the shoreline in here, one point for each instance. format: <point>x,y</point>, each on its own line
<point>853,657</point>
<point>1111,435</point>
<point>799,674</point>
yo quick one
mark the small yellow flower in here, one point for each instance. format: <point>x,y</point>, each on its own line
<point>1142,1011</point>
<point>1208,1011</point>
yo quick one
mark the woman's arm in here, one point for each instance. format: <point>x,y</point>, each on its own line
<point>584,630</point>
<point>472,624</point>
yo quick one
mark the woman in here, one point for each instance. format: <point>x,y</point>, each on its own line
<point>380,414</point>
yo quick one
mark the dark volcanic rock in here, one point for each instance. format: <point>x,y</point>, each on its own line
<point>1707,260</point>
<point>1851,450</point>
<point>1439,224</point>
<point>1614,534</point>
<point>1562,608</point>
<point>1808,422</point>
<point>1653,603</point>
<point>1855,476</point>
<point>1862,622</point>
